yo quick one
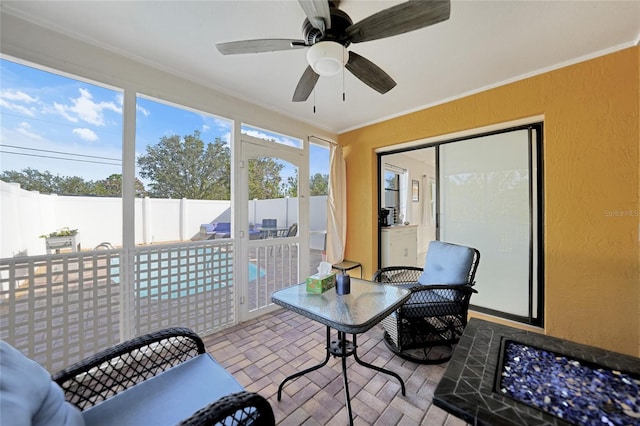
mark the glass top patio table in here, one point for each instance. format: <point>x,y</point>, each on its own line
<point>356,312</point>
<point>365,306</point>
<point>270,232</point>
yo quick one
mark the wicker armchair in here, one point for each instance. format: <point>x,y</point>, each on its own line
<point>101,380</point>
<point>425,327</point>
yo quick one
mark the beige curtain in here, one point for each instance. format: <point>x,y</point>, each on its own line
<point>336,206</point>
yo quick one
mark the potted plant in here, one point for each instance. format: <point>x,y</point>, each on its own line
<point>61,238</point>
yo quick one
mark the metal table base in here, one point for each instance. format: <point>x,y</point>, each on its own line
<point>342,348</point>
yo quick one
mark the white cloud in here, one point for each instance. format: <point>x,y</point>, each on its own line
<point>17,95</point>
<point>265,136</point>
<point>226,137</point>
<point>144,111</point>
<point>86,109</point>
<point>86,134</point>
<point>205,127</point>
<point>24,129</point>
<point>221,123</point>
<point>20,109</point>
<point>62,110</point>
<point>14,100</point>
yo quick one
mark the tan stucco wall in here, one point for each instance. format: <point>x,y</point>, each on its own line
<point>591,173</point>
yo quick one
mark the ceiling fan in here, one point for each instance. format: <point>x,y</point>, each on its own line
<point>328,31</point>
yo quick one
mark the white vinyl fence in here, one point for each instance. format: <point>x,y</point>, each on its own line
<point>26,215</point>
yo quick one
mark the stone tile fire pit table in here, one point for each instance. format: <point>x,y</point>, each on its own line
<point>500,375</point>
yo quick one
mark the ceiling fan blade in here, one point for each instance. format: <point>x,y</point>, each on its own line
<point>317,12</point>
<point>369,73</point>
<point>305,85</point>
<point>402,18</point>
<point>258,46</point>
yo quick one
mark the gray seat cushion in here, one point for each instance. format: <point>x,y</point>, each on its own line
<point>440,303</point>
<point>167,398</point>
<point>447,264</point>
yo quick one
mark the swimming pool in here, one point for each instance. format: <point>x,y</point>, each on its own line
<point>173,274</point>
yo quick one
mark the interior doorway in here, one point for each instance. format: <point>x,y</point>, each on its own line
<point>408,193</point>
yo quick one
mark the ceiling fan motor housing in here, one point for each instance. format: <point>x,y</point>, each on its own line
<point>340,21</point>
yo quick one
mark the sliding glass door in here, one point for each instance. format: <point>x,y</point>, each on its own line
<point>489,190</point>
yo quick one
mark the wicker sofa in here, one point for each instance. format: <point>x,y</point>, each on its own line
<point>162,378</point>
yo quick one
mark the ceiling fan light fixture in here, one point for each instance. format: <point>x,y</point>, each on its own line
<point>327,57</point>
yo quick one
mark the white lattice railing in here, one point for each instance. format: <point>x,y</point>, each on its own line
<point>272,266</point>
<point>188,284</point>
<point>61,308</point>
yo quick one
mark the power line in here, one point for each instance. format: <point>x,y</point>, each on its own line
<point>59,152</point>
<point>57,123</point>
<point>59,158</point>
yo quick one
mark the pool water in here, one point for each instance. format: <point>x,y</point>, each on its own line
<point>167,276</point>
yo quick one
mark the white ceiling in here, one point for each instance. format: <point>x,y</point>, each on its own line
<point>483,44</point>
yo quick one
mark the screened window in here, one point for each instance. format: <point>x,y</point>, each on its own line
<point>183,168</point>
<point>318,191</point>
<point>61,137</point>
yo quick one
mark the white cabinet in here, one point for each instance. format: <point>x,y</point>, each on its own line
<point>399,245</point>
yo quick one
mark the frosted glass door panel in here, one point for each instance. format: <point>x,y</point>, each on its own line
<point>485,203</point>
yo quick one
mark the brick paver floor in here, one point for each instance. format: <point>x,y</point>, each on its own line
<point>260,353</point>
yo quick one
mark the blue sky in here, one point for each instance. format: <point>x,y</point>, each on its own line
<point>72,128</point>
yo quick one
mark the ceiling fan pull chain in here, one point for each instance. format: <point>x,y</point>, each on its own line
<point>314,100</point>
<point>343,95</point>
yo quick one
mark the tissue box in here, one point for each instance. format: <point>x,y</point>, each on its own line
<point>318,285</point>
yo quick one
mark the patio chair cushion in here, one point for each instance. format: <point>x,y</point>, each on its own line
<point>440,303</point>
<point>222,227</point>
<point>217,227</point>
<point>167,398</point>
<point>447,264</point>
<point>28,396</point>
<point>208,228</point>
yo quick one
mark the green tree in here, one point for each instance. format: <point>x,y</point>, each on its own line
<point>74,185</point>
<point>33,180</point>
<point>112,187</point>
<point>264,178</point>
<point>291,187</point>
<point>186,167</point>
<point>319,184</point>
<point>46,183</point>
